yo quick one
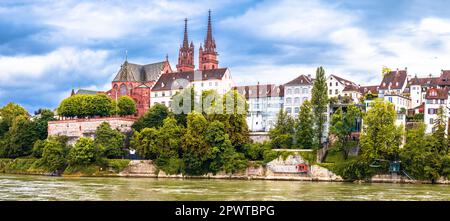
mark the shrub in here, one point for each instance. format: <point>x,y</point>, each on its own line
<point>83,152</point>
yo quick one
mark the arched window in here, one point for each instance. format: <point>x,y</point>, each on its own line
<point>123,89</point>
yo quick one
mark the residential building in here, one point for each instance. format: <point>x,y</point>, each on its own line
<point>393,82</point>
<point>296,92</point>
<point>340,87</point>
<point>264,104</point>
<point>435,98</point>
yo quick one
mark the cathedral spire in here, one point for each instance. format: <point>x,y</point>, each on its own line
<point>209,32</point>
<point>207,53</point>
<point>186,53</point>
<point>185,39</point>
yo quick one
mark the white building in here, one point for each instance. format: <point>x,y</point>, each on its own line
<point>169,83</point>
<point>434,99</point>
<point>338,86</point>
<point>393,82</point>
<point>295,93</point>
<point>418,88</point>
<point>401,105</point>
<point>265,101</point>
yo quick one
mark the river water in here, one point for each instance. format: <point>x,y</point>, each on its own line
<point>25,187</point>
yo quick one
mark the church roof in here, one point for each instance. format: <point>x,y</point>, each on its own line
<point>166,81</point>
<point>84,91</point>
<point>139,73</point>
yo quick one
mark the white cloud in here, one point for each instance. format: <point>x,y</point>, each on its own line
<point>86,21</point>
<point>55,65</point>
<point>295,20</point>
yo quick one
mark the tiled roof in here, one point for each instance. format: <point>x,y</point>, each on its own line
<point>394,80</point>
<point>444,79</point>
<point>351,87</point>
<point>83,91</point>
<point>260,90</point>
<point>436,93</point>
<point>300,80</point>
<point>342,80</point>
<point>139,73</point>
<point>427,81</point>
<point>179,80</point>
<point>366,89</point>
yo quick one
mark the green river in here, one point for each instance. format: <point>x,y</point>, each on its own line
<point>26,187</point>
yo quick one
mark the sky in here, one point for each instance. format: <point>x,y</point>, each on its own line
<point>48,48</point>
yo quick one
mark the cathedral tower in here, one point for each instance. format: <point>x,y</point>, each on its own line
<point>208,54</point>
<point>186,54</point>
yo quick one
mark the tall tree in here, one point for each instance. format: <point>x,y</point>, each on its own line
<point>154,117</point>
<point>8,113</point>
<point>282,134</point>
<point>342,126</point>
<point>380,137</point>
<point>196,150</point>
<point>126,106</point>
<point>439,134</point>
<point>319,102</point>
<point>108,141</point>
<point>304,127</point>
<point>183,103</point>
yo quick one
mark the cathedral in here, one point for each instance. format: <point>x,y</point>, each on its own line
<point>138,81</point>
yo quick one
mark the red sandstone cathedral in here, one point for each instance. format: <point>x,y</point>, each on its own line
<point>137,80</point>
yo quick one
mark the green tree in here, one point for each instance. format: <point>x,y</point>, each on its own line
<point>19,140</point>
<point>86,105</point>
<point>154,117</point>
<point>342,126</point>
<point>319,100</point>
<point>83,152</point>
<point>196,150</point>
<point>304,127</point>
<point>282,134</point>
<point>223,156</point>
<point>109,142</point>
<point>40,122</point>
<point>183,103</point>
<point>54,154</point>
<point>235,109</point>
<point>380,137</point>
<point>419,156</point>
<point>145,144</point>
<point>8,113</point>
<point>126,106</point>
<point>169,141</point>
<point>439,134</point>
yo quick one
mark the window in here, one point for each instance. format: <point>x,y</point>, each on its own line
<point>297,91</point>
<point>390,99</point>
<point>288,100</point>
<point>336,83</point>
<point>163,94</point>
<point>210,84</point>
<point>431,121</point>
<point>202,84</point>
<point>289,91</point>
<point>331,84</point>
<point>432,111</point>
<point>442,101</point>
<point>163,103</point>
<point>123,89</point>
<point>296,110</point>
<point>331,92</point>
<point>217,83</point>
<point>305,91</point>
<point>336,91</point>
<point>289,110</point>
<point>156,94</point>
<point>297,100</point>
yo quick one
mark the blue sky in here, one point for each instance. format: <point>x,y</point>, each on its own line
<point>49,47</point>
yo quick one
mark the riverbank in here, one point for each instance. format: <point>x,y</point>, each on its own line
<point>278,169</point>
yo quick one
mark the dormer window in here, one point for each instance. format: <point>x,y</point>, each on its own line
<point>162,84</point>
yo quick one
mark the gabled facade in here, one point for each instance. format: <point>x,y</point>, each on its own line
<point>264,103</point>
<point>340,87</point>
<point>136,80</point>
<point>296,92</point>
<point>435,98</point>
<point>393,82</point>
